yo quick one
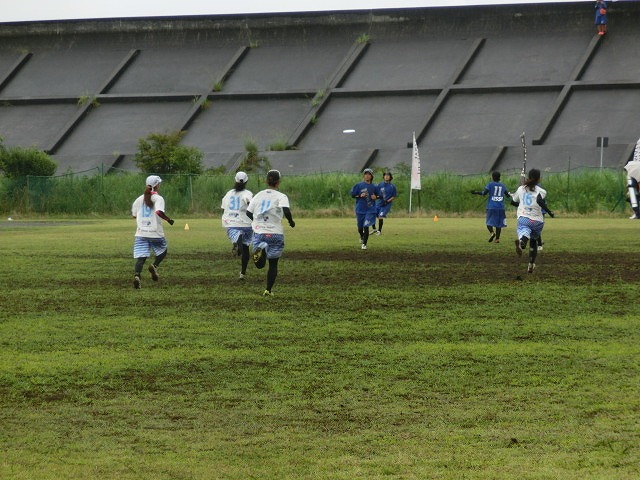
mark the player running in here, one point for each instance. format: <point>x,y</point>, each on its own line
<point>365,194</point>
<point>148,210</point>
<point>388,193</point>
<point>530,200</point>
<point>496,216</point>
<point>266,210</point>
<point>235,220</point>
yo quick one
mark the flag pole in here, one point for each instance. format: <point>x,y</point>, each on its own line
<point>415,171</point>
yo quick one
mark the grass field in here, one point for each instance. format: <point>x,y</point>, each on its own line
<point>422,357</point>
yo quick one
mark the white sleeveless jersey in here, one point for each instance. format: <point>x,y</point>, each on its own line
<point>528,202</point>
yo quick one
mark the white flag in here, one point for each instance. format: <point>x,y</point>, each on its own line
<point>415,166</point>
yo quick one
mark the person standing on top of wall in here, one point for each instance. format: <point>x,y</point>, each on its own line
<point>601,17</point>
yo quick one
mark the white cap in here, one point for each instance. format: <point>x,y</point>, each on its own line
<point>242,177</point>
<point>153,180</point>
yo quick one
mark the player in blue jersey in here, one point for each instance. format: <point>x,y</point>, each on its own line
<point>388,193</point>
<point>235,220</point>
<point>365,194</point>
<point>496,216</point>
<point>266,211</point>
<point>530,200</point>
<point>601,17</point>
<point>148,210</point>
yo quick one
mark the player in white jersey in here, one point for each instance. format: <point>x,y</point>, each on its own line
<point>148,210</point>
<point>633,176</point>
<point>235,220</point>
<point>266,210</point>
<point>530,200</point>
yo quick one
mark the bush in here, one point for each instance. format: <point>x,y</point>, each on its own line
<point>19,162</point>
<point>253,162</point>
<point>162,153</point>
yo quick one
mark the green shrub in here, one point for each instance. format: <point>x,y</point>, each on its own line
<point>162,153</point>
<point>18,162</point>
<point>253,161</point>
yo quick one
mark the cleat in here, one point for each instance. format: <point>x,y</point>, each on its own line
<point>493,235</point>
<point>377,232</point>
<point>267,293</point>
<point>531,268</point>
<point>497,240</point>
<point>259,257</point>
<point>518,248</point>
<point>153,270</point>
<point>363,247</point>
<point>136,282</point>
<point>634,217</point>
<point>241,277</point>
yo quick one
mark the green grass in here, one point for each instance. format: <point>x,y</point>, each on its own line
<point>422,357</point>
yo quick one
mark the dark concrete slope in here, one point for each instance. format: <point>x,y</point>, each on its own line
<point>342,90</point>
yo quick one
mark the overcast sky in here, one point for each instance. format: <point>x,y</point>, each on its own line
<point>31,10</point>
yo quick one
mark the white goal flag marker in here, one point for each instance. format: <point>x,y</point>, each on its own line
<point>415,165</point>
<point>415,170</point>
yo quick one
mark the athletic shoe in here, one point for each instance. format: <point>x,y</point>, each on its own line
<point>153,270</point>
<point>497,240</point>
<point>267,293</point>
<point>518,248</point>
<point>136,281</point>
<point>491,237</point>
<point>241,277</point>
<point>377,232</point>
<point>531,268</point>
<point>259,257</point>
<point>634,217</point>
<point>363,247</point>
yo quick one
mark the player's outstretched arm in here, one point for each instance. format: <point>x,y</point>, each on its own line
<point>287,214</point>
<point>163,216</point>
<point>543,204</point>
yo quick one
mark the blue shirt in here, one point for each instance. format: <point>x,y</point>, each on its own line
<point>387,191</point>
<point>497,192</point>
<point>365,204</point>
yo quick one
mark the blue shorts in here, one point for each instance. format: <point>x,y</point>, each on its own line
<point>271,243</point>
<point>529,228</point>
<point>234,233</point>
<point>383,210</point>
<point>496,217</point>
<point>142,246</point>
<point>365,220</point>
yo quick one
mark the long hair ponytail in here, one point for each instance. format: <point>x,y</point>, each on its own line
<point>147,196</point>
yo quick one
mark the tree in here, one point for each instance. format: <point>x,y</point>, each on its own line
<point>162,153</point>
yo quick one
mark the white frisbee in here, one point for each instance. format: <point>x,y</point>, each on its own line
<point>349,130</point>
